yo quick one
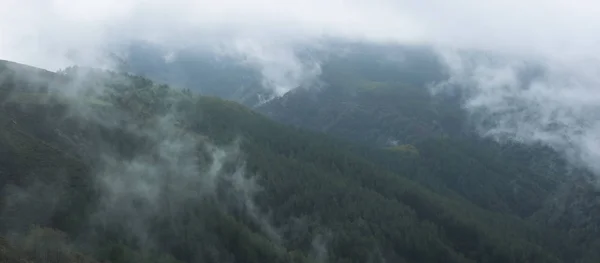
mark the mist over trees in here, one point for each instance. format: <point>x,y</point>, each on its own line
<point>118,168</point>
<point>299,131</point>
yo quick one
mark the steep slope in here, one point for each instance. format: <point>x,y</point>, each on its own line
<point>202,72</point>
<point>390,109</point>
<point>139,172</point>
<point>369,112</point>
<point>212,73</point>
<point>395,112</point>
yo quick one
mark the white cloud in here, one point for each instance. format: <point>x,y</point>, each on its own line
<point>278,63</point>
<point>41,32</point>
<point>558,105</point>
<point>562,35</point>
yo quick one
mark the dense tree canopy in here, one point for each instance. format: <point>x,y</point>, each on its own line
<point>233,186</point>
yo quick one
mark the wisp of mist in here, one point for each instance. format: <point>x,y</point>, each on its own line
<point>529,71</point>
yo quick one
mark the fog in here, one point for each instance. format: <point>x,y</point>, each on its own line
<point>54,33</point>
<point>558,108</point>
<point>145,170</point>
<point>529,72</point>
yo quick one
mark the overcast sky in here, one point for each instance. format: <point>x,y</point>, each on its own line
<point>40,32</point>
<point>561,110</point>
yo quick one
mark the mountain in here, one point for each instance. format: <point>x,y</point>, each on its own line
<point>388,105</point>
<point>133,171</point>
<point>232,75</point>
<point>388,110</point>
<point>200,71</point>
<point>379,96</point>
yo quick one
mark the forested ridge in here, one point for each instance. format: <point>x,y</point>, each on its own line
<point>232,185</point>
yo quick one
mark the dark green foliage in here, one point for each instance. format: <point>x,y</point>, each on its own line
<point>325,199</point>
<point>40,245</point>
<point>375,103</point>
<point>201,72</point>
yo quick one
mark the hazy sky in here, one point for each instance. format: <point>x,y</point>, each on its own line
<point>42,32</point>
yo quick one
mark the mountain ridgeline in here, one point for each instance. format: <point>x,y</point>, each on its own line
<point>100,166</point>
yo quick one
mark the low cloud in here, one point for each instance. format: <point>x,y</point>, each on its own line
<point>556,108</point>
<point>57,32</point>
<point>551,102</point>
<point>280,64</point>
<point>145,164</point>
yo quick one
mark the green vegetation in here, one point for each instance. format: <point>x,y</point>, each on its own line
<point>405,148</point>
<point>325,199</point>
<point>506,178</point>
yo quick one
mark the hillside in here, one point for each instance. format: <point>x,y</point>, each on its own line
<point>202,72</point>
<point>390,111</point>
<point>133,171</point>
<point>233,78</point>
<point>380,106</point>
<point>378,96</point>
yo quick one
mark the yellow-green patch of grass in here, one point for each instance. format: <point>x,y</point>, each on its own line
<point>405,148</point>
<point>371,85</point>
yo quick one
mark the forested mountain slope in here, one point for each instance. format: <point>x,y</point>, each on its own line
<point>369,100</point>
<point>233,76</point>
<point>389,107</point>
<point>202,72</point>
<point>133,171</point>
